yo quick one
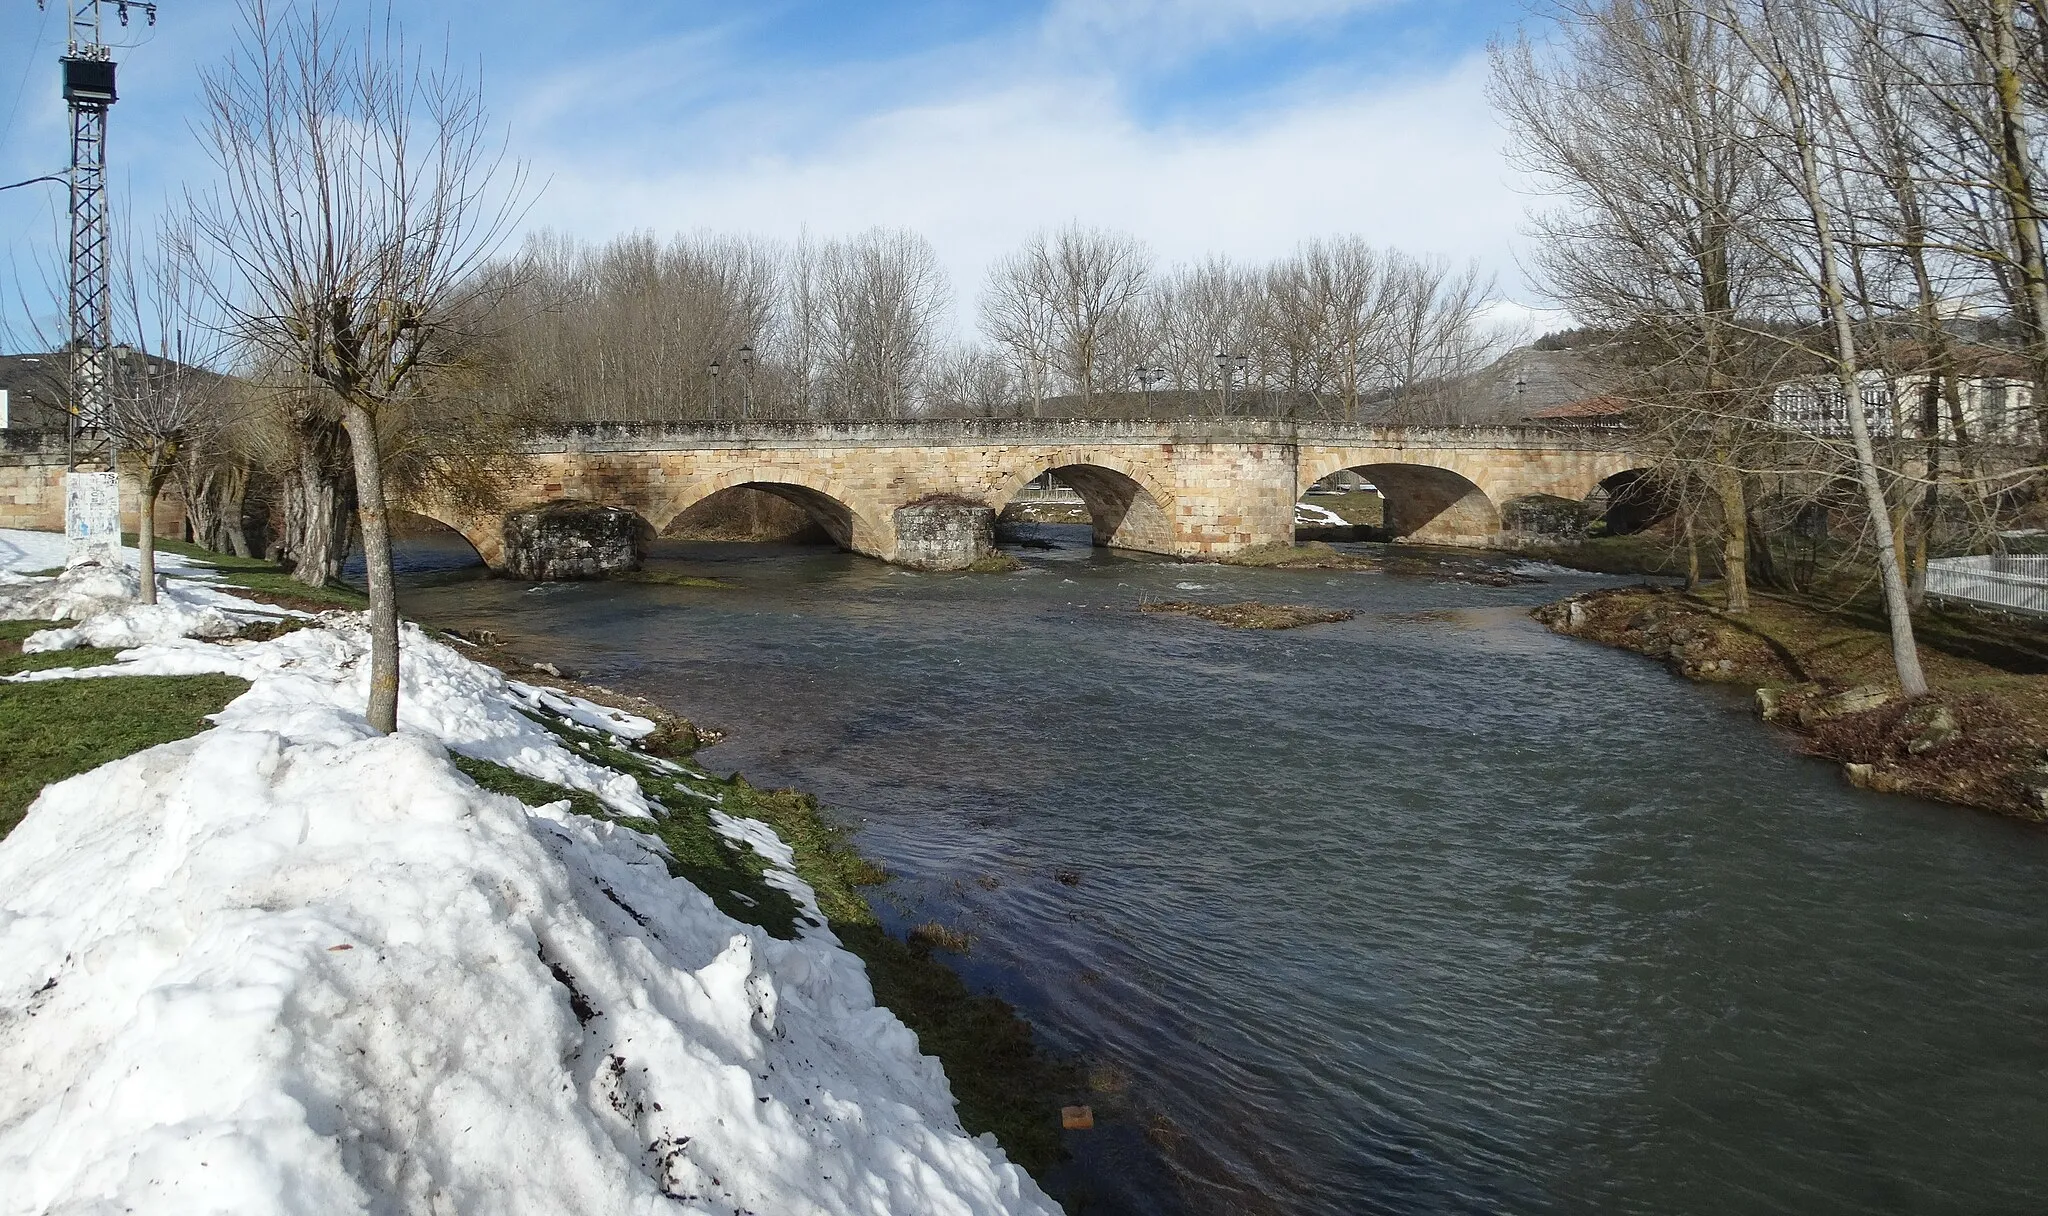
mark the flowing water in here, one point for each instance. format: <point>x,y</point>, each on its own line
<point>1428,911</point>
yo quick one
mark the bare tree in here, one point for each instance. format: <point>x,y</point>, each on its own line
<point>883,294</point>
<point>1795,136</point>
<point>1070,300</point>
<point>1196,311</point>
<point>1637,121</point>
<point>359,195</point>
<point>162,395</point>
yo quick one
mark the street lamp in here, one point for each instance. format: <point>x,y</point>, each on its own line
<point>1228,363</point>
<point>714,389</point>
<point>746,354</point>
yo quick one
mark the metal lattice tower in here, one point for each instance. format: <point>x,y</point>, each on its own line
<point>89,91</point>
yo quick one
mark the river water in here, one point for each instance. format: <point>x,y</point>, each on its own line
<point>1430,911</point>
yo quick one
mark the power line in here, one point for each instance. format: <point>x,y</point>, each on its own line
<point>47,177</point>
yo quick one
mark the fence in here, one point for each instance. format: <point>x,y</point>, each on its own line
<point>2009,582</point>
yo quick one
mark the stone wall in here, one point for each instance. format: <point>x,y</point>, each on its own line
<point>1186,489</point>
<point>32,465</point>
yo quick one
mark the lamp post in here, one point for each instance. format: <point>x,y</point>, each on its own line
<point>714,390</point>
<point>1228,363</point>
<point>746,354</point>
<point>1149,378</point>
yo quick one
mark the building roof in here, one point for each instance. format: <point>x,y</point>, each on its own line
<point>1602,408</point>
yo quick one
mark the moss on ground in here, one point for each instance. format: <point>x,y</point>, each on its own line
<point>1313,555</point>
<point>53,729</point>
<point>1250,614</point>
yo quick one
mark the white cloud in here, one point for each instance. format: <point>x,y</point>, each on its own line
<point>1414,164</point>
<point>1140,30</point>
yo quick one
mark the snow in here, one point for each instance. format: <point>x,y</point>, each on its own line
<point>1310,513</point>
<point>291,966</point>
<point>22,551</point>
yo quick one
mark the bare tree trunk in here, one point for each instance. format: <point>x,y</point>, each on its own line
<point>145,538</point>
<point>382,710</point>
<point>1905,651</point>
<point>1734,539</point>
<point>1692,552</point>
<point>2017,173</point>
<point>317,525</point>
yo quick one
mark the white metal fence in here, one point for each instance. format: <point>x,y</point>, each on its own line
<point>2010,582</point>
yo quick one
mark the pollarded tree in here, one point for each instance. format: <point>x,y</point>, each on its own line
<point>359,194</point>
<point>162,398</point>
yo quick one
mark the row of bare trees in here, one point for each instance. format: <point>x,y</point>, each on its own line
<point>1077,322</point>
<point>1756,193</point>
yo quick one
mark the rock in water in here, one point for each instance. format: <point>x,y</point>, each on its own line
<point>566,539</point>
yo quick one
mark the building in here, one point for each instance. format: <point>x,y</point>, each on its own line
<point>1995,409</point>
<point>33,391</point>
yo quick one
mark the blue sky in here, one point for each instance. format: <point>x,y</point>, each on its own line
<point>1229,126</point>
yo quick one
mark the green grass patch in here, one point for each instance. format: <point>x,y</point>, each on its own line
<point>265,577</point>
<point>13,662</point>
<point>53,729</point>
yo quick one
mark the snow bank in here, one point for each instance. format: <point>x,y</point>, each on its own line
<point>22,551</point>
<point>1310,513</point>
<point>291,966</point>
<point>104,600</point>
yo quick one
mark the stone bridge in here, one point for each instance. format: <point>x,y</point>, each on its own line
<point>1189,489</point>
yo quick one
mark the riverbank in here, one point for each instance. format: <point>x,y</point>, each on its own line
<point>701,1032</point>
<point>1976,740</point>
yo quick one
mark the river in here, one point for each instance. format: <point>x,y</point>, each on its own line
<point>1430,911</point>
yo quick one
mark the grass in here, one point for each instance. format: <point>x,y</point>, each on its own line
<point>1358,508</point>
<point>53,729</point>
<point>1314,555</point>
<point>13,662</point>
<point>733,875</point>
<point>267,579</point>
<point>1002,1081</point>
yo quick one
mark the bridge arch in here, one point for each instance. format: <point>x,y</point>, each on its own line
<point>1128,508</point>
<point>828,505</point>
<point>1634,500</point>
<point>1425,502</point>
<point>485,532</point>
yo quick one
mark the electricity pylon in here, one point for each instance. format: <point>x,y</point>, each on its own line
<point>92,510</point>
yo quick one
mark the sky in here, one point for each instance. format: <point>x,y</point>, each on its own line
<point>1235,127</point>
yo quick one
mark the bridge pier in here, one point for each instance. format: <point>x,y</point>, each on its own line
<point>943,535</point>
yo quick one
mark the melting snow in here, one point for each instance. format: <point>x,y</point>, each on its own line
<point>292,966</point>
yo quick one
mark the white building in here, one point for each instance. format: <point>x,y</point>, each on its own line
<point>1995,409</point>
